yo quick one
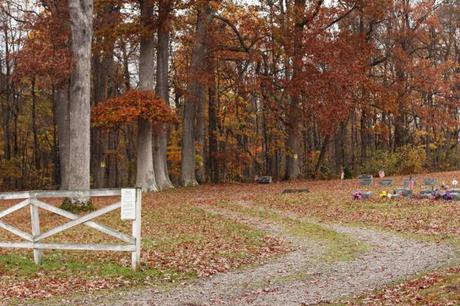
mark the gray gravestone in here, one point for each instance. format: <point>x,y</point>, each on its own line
<point>365,180</point>
<point>386,182</point>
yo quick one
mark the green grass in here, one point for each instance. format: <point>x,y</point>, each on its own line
<point>433,221</point>
<point>339,247</point>
<point>23,266</point>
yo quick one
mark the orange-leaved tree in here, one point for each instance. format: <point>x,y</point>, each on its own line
<point>131,106</point>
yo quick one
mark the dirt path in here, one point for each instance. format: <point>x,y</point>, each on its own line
<point>297,278</point>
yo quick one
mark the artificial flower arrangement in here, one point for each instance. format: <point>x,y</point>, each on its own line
<point>357,195</point>
<point>384,194</point>
<point>388,195</point>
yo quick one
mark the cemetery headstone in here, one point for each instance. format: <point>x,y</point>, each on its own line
<point>426,193</point>
<point>429,182</point>
<point>300,190</point>
<point>365,180</point>
<point>386,182</point>
<point>264,180</point>
<point>404,192</point>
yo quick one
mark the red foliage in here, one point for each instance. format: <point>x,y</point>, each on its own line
<point>131,106</point>
<point>45,54</point>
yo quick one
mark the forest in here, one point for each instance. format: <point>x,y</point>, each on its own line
<point>163,93</point>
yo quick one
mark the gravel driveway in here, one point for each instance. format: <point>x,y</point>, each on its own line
<point>298,278</point>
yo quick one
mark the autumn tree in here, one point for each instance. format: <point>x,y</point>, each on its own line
<point>195,92</point>
<point>162,90</point>
<point>289,89</point>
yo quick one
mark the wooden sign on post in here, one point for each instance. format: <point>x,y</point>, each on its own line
<point>128,204</point>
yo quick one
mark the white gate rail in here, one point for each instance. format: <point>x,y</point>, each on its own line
<point>33,241</point>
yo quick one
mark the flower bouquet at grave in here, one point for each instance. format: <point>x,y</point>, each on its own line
<point>357,195</point>
<point>361,195</point>
<point>447,196</point>
<point>388,195</point>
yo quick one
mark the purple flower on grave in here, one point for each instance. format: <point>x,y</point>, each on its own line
<point>357,195</point>
<point>447,196</point>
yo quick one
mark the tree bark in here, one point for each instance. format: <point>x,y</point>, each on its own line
<point>81,26</point>
<point>98,136</point>
<point>200,138</point>
<point>145,177</point>
<point>103,163</point>
<point>213,149</point>
<point>364,136</point>
<point>195,90</point>
<point>62,122</point>
<point>162,90</point>
<point>6,105</point>
<point>36,144</point>
<point>293,129</point>
<point>112,160</point>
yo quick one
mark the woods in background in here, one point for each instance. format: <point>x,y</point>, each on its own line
<point>189,92</point>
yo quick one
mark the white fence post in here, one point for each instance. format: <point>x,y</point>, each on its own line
<point>136,255</point>
<point>35,222</point>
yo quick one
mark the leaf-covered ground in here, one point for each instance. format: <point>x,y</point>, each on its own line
<point>435,288</point>
<point>182,240</point>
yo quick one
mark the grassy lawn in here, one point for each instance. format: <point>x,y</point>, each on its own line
<point>338,246</point>
<point>180,242</point>
<point>331,202</point>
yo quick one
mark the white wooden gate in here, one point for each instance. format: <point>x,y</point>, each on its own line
<point>34,199</point>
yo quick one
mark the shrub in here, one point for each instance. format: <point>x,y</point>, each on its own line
<point>406,160</point>
<point>347,173</point>
<point>379,160</point>
<point>411,159</point>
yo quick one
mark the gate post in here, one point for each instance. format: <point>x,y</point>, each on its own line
<point>35,222</point>
<point>136,254</point>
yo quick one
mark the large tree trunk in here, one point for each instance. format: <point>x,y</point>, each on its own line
<point>195,90</point>
<point>292,144</point>
<point>112,160</point>
<point>213,148</point>
<point>81,27</point>
<point>364,136</point>
<point>62,122</point>
<point>145,172</point>
<point>98,136</point>
<point>104,76</point>
<point>36,143</point>
<point>6,104</point>
<point>401,131</point>
<point>200,138</point>
<point>293,129</point>
<point>162,90</point>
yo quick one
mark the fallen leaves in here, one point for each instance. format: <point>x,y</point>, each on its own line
<point>180,242</point>
<point>435,288</point>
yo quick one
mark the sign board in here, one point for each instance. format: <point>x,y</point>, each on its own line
<point>128,204</point>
